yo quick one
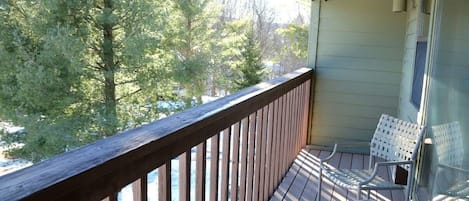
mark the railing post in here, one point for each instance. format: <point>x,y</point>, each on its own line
<point>310,110</point>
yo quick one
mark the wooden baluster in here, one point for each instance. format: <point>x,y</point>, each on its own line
<point>286,133</point>
<point>298,106</point>
<point>269,151</point>
<point>274,155</point>
<point>164,182</point>
<point>296,111</point>
<point>140,189</point>
<point>301,109</point>
<point>244,155</point>
<point>257,154</point>
<point>252,141</point>
<point>200,171</point>
<point>112,197</point>
<point>235,160</point>
<point>225,162</point>
<point>185,176</point>
<point>214,160</point>
<point>278,175</point>
<point>294,123</point>
<point>291,132</point>
<point>283,134</point>
<point>265,117</point>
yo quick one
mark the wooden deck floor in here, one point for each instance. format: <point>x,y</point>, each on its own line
<point>300,182</point>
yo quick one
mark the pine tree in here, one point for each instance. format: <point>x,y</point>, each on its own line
<point>194,22</point>
<point>76,71</point>
<point>251,70</point>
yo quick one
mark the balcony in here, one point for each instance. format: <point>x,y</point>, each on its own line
<point>250,145</point>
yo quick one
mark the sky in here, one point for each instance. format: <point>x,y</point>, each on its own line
<point>287,10</point>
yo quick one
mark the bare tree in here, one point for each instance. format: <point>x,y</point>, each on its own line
<point>264,18</point>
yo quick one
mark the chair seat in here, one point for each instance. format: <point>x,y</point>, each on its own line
<point>459,191</point>
<point>350,178</point>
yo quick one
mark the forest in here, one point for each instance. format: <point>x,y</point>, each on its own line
<point>75,71</point>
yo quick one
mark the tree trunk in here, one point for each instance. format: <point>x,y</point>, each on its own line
<point>109,73</point>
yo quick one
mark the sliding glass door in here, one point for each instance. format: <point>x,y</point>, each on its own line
<point>447,106</point>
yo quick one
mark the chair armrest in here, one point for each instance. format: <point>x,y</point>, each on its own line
<point>345,144</point>
<point>459,169</point>
<point>389,163</point>
<point>354,144</point>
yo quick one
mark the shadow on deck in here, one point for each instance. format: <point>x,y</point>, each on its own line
<point>300,182</point>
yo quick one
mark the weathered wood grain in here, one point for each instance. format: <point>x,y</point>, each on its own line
<point>100,169</point>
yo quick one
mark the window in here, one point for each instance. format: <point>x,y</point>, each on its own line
<point>419,70</point>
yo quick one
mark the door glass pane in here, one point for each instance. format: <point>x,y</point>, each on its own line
<point>449,103</point>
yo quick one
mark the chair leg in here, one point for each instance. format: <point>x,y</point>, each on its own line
<point>410,183</point>
<point>359,193</point>
<point>406,195</point>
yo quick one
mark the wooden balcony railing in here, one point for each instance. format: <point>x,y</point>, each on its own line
<point>254,136</point>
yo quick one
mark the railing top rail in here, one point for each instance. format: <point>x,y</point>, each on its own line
<point>107,165</point>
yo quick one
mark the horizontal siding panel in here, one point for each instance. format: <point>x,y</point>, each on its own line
<point>359,75</point>
<point>359,63</point>
<point>359,88</point>
<point>356,99</point>
<point>324,140</point>
<point>345,121</point>
<point>360,23</point>
<point>362,51</point>
<point>364,7</point>
<point>342,134</point>
<point>355,16</point>
<point>354,38</point>
<point>324,108</point>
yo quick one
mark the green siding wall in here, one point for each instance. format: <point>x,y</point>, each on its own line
<point>417,25</point>
<point>360,46</point>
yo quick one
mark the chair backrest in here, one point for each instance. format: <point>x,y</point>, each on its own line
<point>396,140</point>
<point>448,143</point>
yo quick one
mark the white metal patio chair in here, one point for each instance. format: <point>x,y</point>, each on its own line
<point>396,141</point>
<point>452,174</point>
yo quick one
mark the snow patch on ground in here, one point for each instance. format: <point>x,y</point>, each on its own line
<point>10,165</point>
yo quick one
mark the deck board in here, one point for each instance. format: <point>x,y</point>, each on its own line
<point>311,165</point>
<point>284,188</point>
<point>300,182</point>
